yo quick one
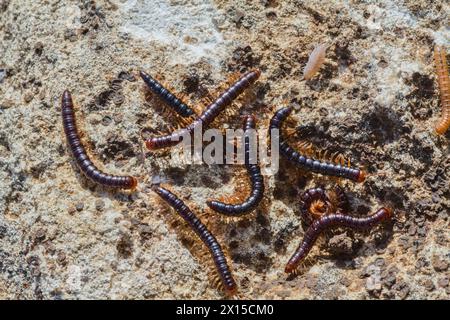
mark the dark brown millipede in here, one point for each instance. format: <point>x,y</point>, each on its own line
<point>80,155</point>
<point>204,234</point>
<point>329,221</point>
<point>168,97</point>
<point>322,167</point>
<point>256,179</point>
<point>208,116</point>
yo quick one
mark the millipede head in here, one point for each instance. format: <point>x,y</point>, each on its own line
<point>389,212</point>
<point>257,72</point>
<point>134,183</point>
<point>290,268</point>
<point>150,144</point>
<point>230,291</point>
<point>361,176</point>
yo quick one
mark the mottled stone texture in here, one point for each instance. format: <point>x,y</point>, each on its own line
<point>375,99</point>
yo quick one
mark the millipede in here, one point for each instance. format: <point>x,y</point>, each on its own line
<point>328,221</point>
<point>305,162</point>
<point>205,236</point>
<point>316,202</point>
<point>256,179</point>
<point>440,60</point>
<point>208,115</point>
<point>168,97</point>
<point>80,155</point>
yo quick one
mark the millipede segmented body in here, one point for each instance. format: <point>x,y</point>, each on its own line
<point>79,152</point>
<point>168,97</point>
<point>322,167</point>
<point>328,221</point>
<point>256,179</point>
<point>204,234</point>
<point>440,60</point>
<point>208,115</point>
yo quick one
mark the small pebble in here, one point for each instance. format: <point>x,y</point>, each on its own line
<point>422,232</point>
<point>70,35</point>
<point>50,248</point>
<point>118,118</point>
<point>28,97</point>
<point>106,121</point>
<point>429,285</point>
<point>402,289</point>
<point>436,198</point>
<point>61,258</point>
<point>79,206</point>
<point>389,295</point>
<point>439,264</point>
<point>443,282</point>
<point>125,246</point>
<point>341,244</point>
<point>38,47</point>
<point>118,99</point>
<point>412,230</point>
<point>40,234</point>
<point>373,285</point>
<point>345,281</point>
<point>389,281</point>
<point>238,15</point>
<point>3,231</point>
<point>99,205</point>
<point>71,210</point>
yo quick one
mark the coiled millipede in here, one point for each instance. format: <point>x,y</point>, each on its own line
<point>316,202</point>
<point>328,221</point>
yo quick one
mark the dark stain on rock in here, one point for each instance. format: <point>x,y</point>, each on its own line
<point>343,54</point>
<point>282,236</point>
<point>243,59</point>
<point>383,126</point>
<point>176,175</point>
<point>117,148</point>
<point>191,83</point>
<point>125,75</point>
<point>423,86</point>
<point>125,246</point>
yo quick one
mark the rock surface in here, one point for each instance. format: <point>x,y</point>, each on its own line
<point>375,99</point>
